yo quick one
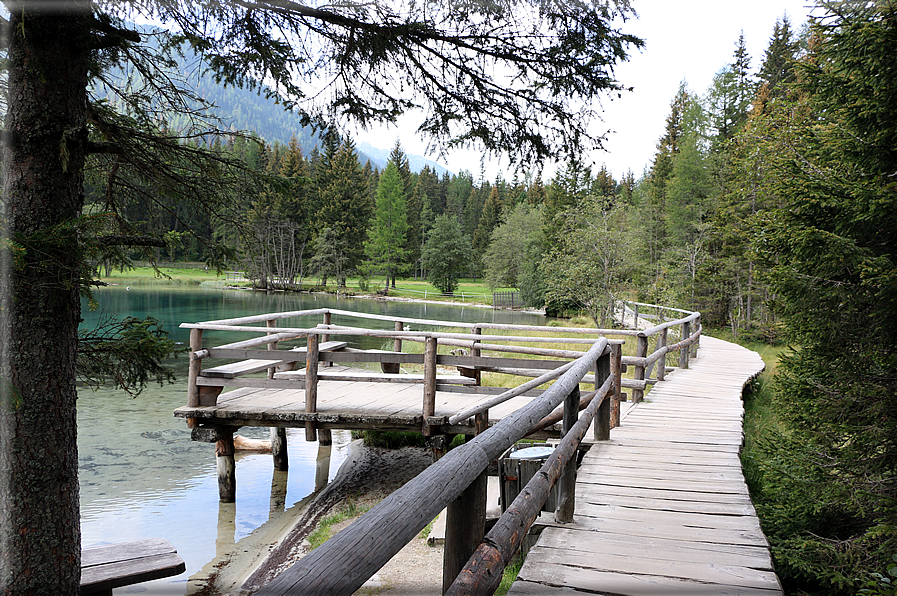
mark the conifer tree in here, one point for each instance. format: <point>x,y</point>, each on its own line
<point>345,204</point>
<point>386,236</point>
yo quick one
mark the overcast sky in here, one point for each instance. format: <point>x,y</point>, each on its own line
<point>688,40</point>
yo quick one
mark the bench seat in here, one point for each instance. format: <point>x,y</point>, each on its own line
<point>246,367</point>
<point>113,566</point>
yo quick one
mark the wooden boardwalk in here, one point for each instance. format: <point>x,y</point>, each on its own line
<point>662,508</point>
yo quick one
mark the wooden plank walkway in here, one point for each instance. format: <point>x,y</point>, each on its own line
<point>662,508</point>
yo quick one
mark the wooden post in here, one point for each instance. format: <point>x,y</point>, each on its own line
<point>465,522</point>
<point>616,367</point>
<point>394,367</point>
<point>325,437</point>
<point>397,342</point>
<point>641,351</point>
<point>193,374</point>
<point>635,316</point>
<point>697,326</point>
<point>279,448</point>
<point>326,338</point>
<point>311,385</point>
<point>683,353</point>
<point>603,415</point>
<point>271,324</point>
<point>429,384</point>
<point>567,482</point>
<point>476,352</point>
<point>227,476</point>
<point>662,363</point>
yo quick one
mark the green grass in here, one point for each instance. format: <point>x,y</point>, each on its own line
<point>509,575</point>
<point>324,530</point>
<point>148,275</point>
<point>468,289</point>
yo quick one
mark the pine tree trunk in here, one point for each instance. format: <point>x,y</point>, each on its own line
<point>43,163</point>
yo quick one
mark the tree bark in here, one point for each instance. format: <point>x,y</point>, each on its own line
<point>43,164</point>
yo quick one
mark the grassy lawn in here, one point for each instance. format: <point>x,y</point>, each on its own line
<point>469,290</point>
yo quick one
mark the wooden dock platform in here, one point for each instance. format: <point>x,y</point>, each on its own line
<point>347,404</point>
<point>662,508</point>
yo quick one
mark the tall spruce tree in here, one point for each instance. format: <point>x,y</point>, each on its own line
<point>386,236</point>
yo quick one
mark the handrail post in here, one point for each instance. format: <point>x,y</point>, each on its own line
<point>475,352</point>
<point>635,316</point>
<point>683,352</point>
<point>397,342</point>
<point>697,327</point>
<point>641,351</point>
<point>193,374</point>
<point>429,384</point>
<point>616,367</point>
<point>603,416</point>
<point>327,319</point>
<point>271,324</point>
<point>311,385</point>
<point>662,363</point>
<point>567,482</point>
<point>465,520</point>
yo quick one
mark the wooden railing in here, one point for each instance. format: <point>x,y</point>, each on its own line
<point>457,480</point>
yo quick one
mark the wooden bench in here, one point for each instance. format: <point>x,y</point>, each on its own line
<point>374,377</point>
<point>113,566</point>
<point>245,367</point>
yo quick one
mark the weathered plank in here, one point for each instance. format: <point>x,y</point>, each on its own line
<point>113,566</point>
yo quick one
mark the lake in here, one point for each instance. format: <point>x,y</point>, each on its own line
<point>141,476</point>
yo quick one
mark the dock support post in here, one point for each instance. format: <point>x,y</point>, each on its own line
<point>279,448</point>
<point>567,482</point>
<point>616,367</point>
<point>311,385</point>
<point>465,521</point>
<point>227,476</point>
<point>641,351</point>
<point>603,415</point>
<point>429,406</point>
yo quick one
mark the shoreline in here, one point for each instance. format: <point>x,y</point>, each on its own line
<point>368,475</point>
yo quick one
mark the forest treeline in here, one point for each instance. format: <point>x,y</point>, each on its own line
<point>769,206</point>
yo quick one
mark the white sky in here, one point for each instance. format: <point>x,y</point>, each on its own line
<point>687,40</point>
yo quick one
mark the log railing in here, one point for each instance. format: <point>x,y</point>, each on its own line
<point>457,480</point>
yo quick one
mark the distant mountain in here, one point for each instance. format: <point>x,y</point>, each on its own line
<point>242,109</point>
<point>379,157</point>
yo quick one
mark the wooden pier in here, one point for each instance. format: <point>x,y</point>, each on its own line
<point>662,508</point>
